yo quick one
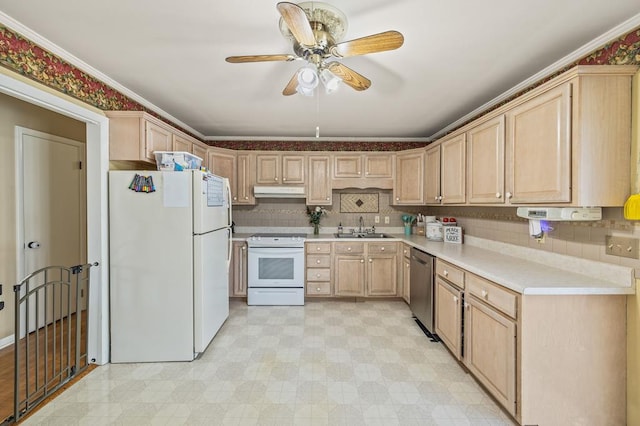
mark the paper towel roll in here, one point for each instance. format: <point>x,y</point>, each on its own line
<point>535,228</point>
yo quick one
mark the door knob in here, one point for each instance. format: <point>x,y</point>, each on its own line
<point>33,245</point>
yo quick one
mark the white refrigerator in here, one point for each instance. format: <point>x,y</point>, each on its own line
<point>169,250</point>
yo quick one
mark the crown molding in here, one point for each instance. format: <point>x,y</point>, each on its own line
<point>312,139</point>
<point>607,37</point>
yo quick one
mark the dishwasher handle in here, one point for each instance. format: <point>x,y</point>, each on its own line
<point>417,259</point>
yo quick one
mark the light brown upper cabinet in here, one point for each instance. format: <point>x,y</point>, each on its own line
<point>445,171</point>
<point>200,151</point>
<point>485,162</point>
<point>245,178</point>
<point>180,143</point>
<point>408,186</point>
<point>134,136</point>
<point>363,170</point>
<point>539,148</point>
<point>319,182</point>
<point>452,170</point>
<point>275,169</point>
<point>223,163</point>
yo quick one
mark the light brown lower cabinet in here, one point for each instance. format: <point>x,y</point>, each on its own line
<point>547,359</point>
<point>449,316</point>
<point>490,350</point>
<point>406,279</point>
<point>365,269</point>
<point>238,271</point>
<point>349,277</point>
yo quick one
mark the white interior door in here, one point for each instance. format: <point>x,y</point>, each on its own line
<point>52,205</point>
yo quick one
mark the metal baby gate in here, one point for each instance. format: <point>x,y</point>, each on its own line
<point>50,332</point>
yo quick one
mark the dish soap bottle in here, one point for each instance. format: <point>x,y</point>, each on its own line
<point>340,228</point>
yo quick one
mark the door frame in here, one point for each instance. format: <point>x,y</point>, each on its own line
<point>19,133</point>
<point>97,158</point>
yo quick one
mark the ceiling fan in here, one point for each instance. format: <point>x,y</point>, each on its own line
<point>316,29</point>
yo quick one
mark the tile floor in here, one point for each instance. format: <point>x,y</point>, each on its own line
<point>327,363</point>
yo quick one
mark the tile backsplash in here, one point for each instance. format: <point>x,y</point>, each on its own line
<point>579,239</point>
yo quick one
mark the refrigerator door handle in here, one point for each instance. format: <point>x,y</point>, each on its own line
<point>229,218</point>
<point>230,248</point>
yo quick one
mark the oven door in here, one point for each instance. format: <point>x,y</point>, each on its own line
<point>275,267</point>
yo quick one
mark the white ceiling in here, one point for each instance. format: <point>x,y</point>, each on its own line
<point>457,56</point>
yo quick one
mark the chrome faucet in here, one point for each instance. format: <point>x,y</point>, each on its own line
<point>360,230</point>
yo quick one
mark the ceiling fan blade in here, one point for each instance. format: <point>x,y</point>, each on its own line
<point>296,19</point>
<point>388,40</point>
<point>290,89</point>
<point>259,58</point>
<point>349,76</point>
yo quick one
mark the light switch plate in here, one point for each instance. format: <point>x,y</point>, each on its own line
<point>621,246</point>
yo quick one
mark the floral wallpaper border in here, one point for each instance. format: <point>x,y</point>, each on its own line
<point>26,58</point>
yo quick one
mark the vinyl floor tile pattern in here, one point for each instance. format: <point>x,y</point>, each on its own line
<point>326,363</point>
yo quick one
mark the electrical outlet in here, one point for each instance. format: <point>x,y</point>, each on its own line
<point>386,220</point>
<point>377,219</point>
<point>621,246</point>
<point>1,299</point>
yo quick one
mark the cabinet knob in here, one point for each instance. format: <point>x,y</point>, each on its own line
<point>370,260</point>
<point>366,173</point>
<point>318,248</point>
<point>485,294</point>
<point>327,198</point>
<point>498,195</point>
<point>361,260</point>
<point>435,198</point>
<point>246,198</point>
<point>318,289</point>
<point>508,195</point>
<point>235,198</point>
<point>348,248</point>
<point>317,275</point>
<point>446,273</point>
<point>284,179</point>
<point>244,248</point>
<point>408,265</point>
<point>381,248</point>
<point>397,198</point>
<point>455,299</point>
<point>466,305</point>
<point>276,178</point>
<point>318,261</point>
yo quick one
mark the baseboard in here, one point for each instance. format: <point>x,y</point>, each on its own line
<point>6,341</point>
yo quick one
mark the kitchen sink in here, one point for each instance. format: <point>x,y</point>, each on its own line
<point>363,235</point>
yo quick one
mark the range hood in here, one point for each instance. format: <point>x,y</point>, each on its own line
<point>278,191</point>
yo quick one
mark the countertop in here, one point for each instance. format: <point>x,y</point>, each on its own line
<point>521,269</point>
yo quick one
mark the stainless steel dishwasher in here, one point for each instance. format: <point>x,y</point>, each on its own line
<point>422,293</point>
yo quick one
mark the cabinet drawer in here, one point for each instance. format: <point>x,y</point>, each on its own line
<point>324,248</point>
<point>318,274</point>
<point>451,273</point>
<point>318,261</point>
<point>349,248</point>
<point>406,251</point>
<point>378,248</point>
<point>493,294</point>
<point>319,288</point>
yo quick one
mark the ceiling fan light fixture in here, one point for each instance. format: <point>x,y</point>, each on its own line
<point>308,80</point>
<point>330,81</point>
<point>333,19</point>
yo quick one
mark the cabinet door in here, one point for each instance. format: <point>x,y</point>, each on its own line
<point>293,169</point>
<point>225,165</point>
<point>485,162</point>
<point>319,183</point>
<point>245,174</point>
<point>347,166</point>
<point>200,151</point>
<point>382,275</point>
<point>490,350</point>
<point>452,170</point>
<point>378,166</point>
<point>181,144</point>
<point>156,139</point>
<point>349,275</point>
<point>539,148</point>
<point>449,316</point>
<point>238,273</point>
<point>432,175</point>
<point>268,169</point>
<point>409,183</point>
<point>406,279</point>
